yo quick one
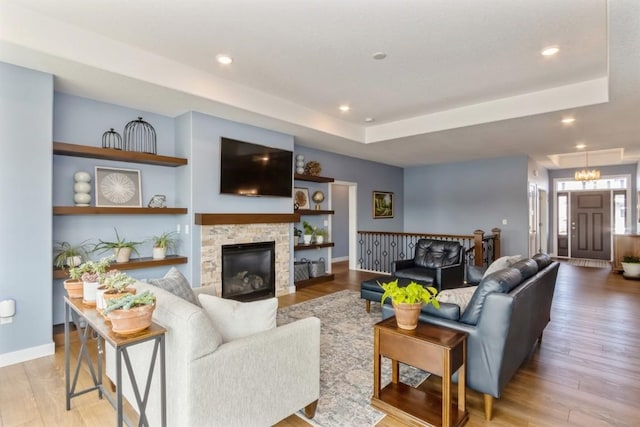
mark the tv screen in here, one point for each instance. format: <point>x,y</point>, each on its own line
<point>248,169</point>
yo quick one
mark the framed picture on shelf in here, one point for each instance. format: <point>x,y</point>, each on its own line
<point>118,187</point>
<point>300,198</point>
<point>382,204</point>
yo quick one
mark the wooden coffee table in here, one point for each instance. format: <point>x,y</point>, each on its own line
<point>440,351</point>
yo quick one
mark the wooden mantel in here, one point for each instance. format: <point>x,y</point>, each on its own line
<point>245,218</point>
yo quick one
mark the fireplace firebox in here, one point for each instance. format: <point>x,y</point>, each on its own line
<point>248,271</point>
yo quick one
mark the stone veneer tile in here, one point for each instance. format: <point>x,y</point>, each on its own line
<point>213,237</point>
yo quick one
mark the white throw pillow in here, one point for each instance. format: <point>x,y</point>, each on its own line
<point>458,296</point>
<point>502,263</point>
<point>235,319</point>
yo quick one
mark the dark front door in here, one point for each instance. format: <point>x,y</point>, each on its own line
<point>591,225</point>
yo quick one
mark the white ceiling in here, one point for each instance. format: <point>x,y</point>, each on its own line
<point>463,79</point>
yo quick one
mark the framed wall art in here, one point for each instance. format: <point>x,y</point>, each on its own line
<point>118,187</point>
<point>382,204</point>
<point>300,198</point>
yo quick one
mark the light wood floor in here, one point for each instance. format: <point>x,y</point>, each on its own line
<point>585,373</point>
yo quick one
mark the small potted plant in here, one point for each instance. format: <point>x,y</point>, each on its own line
<point>73,285</point>
<point>163,243</point>
<point>121,248</point>
<point>91,273</point>
<point>130,314</point>
<point>631,266</point>
<point>407,301</point>
<point>308,232</point>
<point>67,255</point>
<point>298,233</point>
<point>114,285</point>
<point>321,235</point>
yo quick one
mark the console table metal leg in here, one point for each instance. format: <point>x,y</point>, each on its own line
<point>163,383</point>
<point>67,380</point>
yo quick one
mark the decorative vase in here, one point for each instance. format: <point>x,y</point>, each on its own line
<point>407,315</point>
<point>122,254</point>
<point>136,319</point>
<point>82,188</point>
<point>159,253</point>
<point>73,288</point>
<point>89,290</point>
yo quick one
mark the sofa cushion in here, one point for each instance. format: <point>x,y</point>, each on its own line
<point>501,263</point>
<point>542,259</point>
<point>500,281</point>
<point>418,274</point>
<point>235,319</point>
<point>459,296</point>
<point>527,268</point>
<point>177,284</point>
<point>436,253</point>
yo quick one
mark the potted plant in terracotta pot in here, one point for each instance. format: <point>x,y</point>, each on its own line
<point>130,314</point>
<point>67,255</point>
<point>163,243</point>
<point>631,266</point>
<point>91,274</point>
<point>73,284</point>
<point>120,247</point>
<point>407,301</point>
<point>115,284</point>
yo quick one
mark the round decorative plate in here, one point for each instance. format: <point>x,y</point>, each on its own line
<point>117,188</point>
<point>301,198</point>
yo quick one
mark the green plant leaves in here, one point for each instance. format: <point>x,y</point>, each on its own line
<point>411,294</point>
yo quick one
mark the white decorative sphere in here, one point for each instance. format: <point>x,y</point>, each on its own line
<point>82,176</point>
<point>82,187</point>
<point>300,170</point>
<point>300,158</point>
<point>82,199</point>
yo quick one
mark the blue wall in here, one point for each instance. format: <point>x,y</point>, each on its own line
<point>26,105</point>
<point>340,221</point>
<point>458,198</point>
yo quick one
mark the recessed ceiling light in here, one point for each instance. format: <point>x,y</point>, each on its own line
<point>344,108</point>
<point>568,120</point>
<point>224,59</point>
<point>379,55</point>
<point>581,146</point>
<point>369,119</point>
<point>550,51</point>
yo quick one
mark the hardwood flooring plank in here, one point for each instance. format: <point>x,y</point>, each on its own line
<point>18,405</point>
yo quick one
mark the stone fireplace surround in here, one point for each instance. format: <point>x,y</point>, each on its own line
<point>227,229</point>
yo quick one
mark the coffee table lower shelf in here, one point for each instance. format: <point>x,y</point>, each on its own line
<point>416,406</point>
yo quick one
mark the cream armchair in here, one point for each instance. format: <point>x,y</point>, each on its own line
<point>253,381</point>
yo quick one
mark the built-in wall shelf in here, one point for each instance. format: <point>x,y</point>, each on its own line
<point>302,246</point>
<point>315,280</point>
<point>65,149</point>
<point>92,210</point>
<point>242,218</point>
<point>314,212</point>
<point>312,178</point>
<point>133,264</point>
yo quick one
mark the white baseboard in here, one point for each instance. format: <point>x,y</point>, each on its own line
<point>340,259</point>
<point>26,354</point>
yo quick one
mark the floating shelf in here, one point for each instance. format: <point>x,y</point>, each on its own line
<point>92,210</point>
<point>315,280</point>
<point>312,178</point>
<point>64,149</point>
<point>302,246</point>
<point>133,264</point>
<point>314,212</point>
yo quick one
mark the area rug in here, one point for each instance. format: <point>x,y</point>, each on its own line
<point>346,359</point>
<point>593,263</point>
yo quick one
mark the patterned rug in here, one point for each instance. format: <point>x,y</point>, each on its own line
<point>346,359</point>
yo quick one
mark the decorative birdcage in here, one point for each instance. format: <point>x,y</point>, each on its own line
<point>140,136</point>
<point>112,139</point>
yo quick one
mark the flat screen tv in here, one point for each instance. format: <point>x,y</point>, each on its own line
<point>248,169</point>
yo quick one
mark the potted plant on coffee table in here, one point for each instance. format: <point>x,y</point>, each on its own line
<point>631,266</point>
<point>408,300</point>
<point>121,248</point>
<point>130,314</point>
<point>163,243</point>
